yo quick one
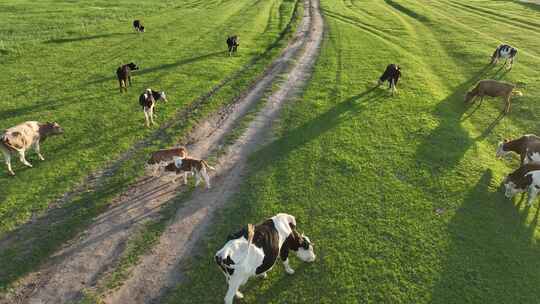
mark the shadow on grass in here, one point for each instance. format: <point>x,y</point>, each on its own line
<point>298,137</point>
<point>84,38</point>
<point>445,146</point>
<point>162,66</point>
<point>407,11</point>
<point>492,255</point>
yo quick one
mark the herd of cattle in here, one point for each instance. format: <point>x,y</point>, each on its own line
<point>255,249</point>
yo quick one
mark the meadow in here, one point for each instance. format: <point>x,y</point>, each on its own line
<point>401,195</point>
<point>58,62</point>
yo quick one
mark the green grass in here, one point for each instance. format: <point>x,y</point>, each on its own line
<point>364,173</point>
<point>58,64</point>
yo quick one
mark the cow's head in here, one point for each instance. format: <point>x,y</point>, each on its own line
<point>132,66</point>
<point>301,245</point>
<point>469,96</point>
<point>500,149</point>
<point>53,128</point>
<point>163,96</point>
<point>511,188</point>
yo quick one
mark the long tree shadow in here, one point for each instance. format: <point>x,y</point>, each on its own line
<point>300,136</point>
<point>84,38</point>
<point>446,145</point>
<point>407,11</point>
<point>492,256</point>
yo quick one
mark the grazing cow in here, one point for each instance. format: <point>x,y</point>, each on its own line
<point>254,251</point>
<point>232,44</point>
<point>525,178</point>
<point>24,136</point>
<point>163,157</point>
<point>504,51</point>
<point>391,74</point>
<point>185,165</point>
<point>147,100</point>
<point>527,146</point>
<point>137,25</point>
<point>493,88</point>
<point>123,74</point>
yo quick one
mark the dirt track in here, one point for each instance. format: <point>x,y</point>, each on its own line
<point>83,262</point>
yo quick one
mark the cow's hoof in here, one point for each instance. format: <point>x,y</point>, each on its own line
<point>263,276</point>
<point>11,173</point>
<point>239,295</point>
<point>290,271</point>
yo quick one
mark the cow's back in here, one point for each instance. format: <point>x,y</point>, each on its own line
<point>22,135</point>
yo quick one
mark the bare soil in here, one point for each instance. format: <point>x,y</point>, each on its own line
<point>81,264</point>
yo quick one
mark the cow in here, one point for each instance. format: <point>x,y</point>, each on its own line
<point>392,75</point>
<point>232,44</point>
<point>186,165</point>
<point>147,100</point>
<point>504,51</point>
<point>164,157</point>
<point>254,250</point>
<point>493,88</point>
<point>525,178</point>
<point>123,73</point>
<point>137,25</point>
<point>20,138</point>
<point>527,147</point>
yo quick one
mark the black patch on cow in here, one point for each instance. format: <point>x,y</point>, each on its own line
<point>223,264</point>
<point>392,72</point>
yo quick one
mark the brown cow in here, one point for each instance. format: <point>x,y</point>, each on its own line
<point>24,136</point>
<point>164,157</point>
<point>527,146</point>
<point>493,88</point>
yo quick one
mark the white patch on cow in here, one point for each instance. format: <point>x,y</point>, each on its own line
<point>532,158</point>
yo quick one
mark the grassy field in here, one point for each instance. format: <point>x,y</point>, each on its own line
<point>400,194</point>
<point>58,63</point>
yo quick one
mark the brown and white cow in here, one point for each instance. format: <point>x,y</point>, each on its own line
<point>184,166</point>
<point>254,250</point>
<point>525,178</point>
<point>162,158</point>
<point>527,147</point>
<point>24,136</point>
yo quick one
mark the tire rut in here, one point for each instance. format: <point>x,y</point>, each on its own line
<point>162,269</point>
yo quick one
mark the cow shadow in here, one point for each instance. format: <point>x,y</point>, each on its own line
<point>492,256</point>
<point>84,38</point>
<point>446,145</point>
<point>407,11</point>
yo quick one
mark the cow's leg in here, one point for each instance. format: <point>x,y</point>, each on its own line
<point>393,86</point>
<point>288,267</point>
<point>129,81</point>
<point>284,255</point>
<point>36,146</point>
<point>147,123</point>
<point>234,284</point>
<point>7,159</point>
<point>197,178</point>
<point>121,85</point>
<point>23,159</point>
<point>152,115</point>
<point>507,102</point>
<point>204,174</point>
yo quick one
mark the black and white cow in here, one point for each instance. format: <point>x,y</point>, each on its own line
<point>391,74</point>
<point>527,146</point>
<point>525,178</point>
<point>504,51</point>
<point>137,25</point>
<point>232,44</point>
<point>147,100</point>
<point>254,251</point>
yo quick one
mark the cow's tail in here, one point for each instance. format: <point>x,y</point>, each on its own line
<point>207,166</point>
<point>251,234</point>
